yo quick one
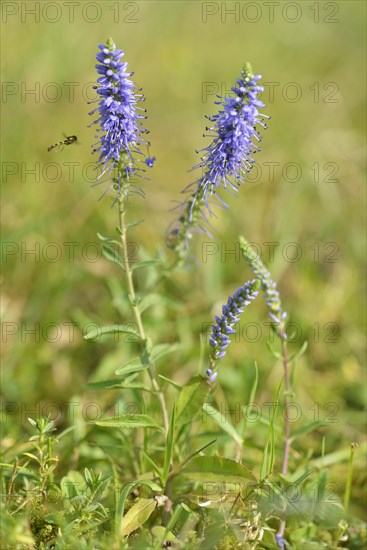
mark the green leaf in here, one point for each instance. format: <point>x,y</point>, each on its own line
<point>265,460</point>
<point>307,428</point>
<point>22,471</point>
<point>72,485</point>
<point>88,477</point>
<point>165,533</point>
<point>113,329</point>
<point>134,224</point>
<point>148,301</point>
<point>251,401</point>
<point>138,514</point>
<point>32,456</point>
<point>111,255</point>
<point>134,365</point>
<point>169,447</point>
<point>128,421</point>
<point>163,349</point>
<point>120,508</point>
<point>325,461</point>
<point>275,353</point>
<point>176,386</point>
<point>108,240</point>
<point>269,451</point>
<point>299,353</point>
<point>144,264</point>
<point>105,384</point>
<point>217,469</point>
<point>220,419</point>
<point>153,465</point>
<point>161,533</point>
<point>116,383</point>
<point>191,399</point>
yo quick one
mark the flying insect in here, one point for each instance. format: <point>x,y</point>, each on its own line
<point>67,141</point>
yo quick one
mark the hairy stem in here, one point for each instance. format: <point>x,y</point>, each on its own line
<point>287,425</point>
<point>139,322</point>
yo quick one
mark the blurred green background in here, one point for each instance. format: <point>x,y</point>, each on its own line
<point>181,52</point>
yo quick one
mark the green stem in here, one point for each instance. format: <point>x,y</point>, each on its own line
<point>349,477</point>
<point>287,425</point>
<point>139,322</point>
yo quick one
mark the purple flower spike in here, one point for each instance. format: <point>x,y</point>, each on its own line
<point>225,162</point>
<point>120,130</point>
<point>230,156</point>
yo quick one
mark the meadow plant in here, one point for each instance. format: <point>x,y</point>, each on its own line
<point>119,135</point>
<point>159,482</point>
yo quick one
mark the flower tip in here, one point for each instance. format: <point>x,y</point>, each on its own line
<point>149,161</point>
<point>247,71</point>
<point>110,43</point>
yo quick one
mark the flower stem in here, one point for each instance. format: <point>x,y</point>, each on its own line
<point>349,477</point>
<point>287,428</point>
<point>287,425</point>
<point>132,296</point>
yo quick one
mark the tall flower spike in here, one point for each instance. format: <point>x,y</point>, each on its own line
<point>269,287</point>
<point>120,130</point>
<point>227,160</point>
<point>223,327</point>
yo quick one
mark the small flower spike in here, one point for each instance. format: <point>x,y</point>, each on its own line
<point>223,327</point>
<point>268,286</point>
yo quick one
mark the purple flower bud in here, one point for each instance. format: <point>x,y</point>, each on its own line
<point>213,377</point>
<point>149,161</point>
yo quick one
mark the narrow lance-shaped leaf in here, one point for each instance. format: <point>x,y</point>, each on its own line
<point>191,399</point>
<point>169,447</point>
<point>113,329</point>
<point>129,421</point>
<point>223,423</point>
<point>134,365</point>
<point>112,255</point>
<point>217,469</point>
